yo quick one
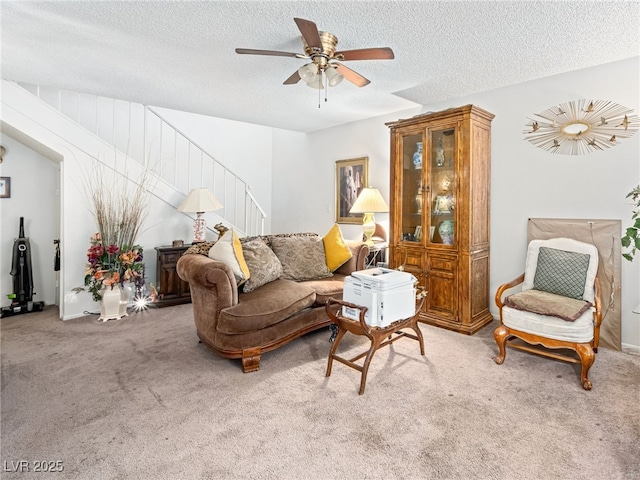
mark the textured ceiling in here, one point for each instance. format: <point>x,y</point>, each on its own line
<point>181,55</point>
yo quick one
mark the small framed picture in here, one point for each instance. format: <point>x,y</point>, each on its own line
<point>418,233</point>
<point>5,187</point>
<point>351,178</point>
<point>443,204</point>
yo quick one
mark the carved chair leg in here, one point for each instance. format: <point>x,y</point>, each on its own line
<point>334,347</point>
<point>251,359</point>
<point>587,357</point>
<point>416,329</point>
<point>500,335</point>
<point>375,344</point>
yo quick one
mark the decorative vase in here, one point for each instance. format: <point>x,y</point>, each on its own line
<point>419,201</point>
<point>417,156</point>
<point>440,154</point>
<point>445,229</point>
<point>113,305</point>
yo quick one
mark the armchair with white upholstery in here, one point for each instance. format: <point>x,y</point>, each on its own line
<point>558,306</point>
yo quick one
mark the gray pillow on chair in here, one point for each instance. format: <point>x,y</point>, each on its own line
<point>561,272</point>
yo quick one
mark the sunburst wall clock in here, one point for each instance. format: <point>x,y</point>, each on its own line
<point>581,126</point>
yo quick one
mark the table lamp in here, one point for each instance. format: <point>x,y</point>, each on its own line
<point>198,201</point>
<point>369,202</point>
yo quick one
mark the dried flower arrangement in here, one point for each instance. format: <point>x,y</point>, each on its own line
<point>119,207</point>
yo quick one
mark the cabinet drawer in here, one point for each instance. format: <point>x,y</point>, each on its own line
<point>170,259</point>
<point>412,259</point>
<point>441,264</point>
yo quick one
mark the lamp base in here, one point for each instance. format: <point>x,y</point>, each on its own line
<point>368,227</point>
<point>199,229</point>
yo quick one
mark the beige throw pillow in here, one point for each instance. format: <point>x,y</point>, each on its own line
<point>228,250</point>
<point>545,303</point>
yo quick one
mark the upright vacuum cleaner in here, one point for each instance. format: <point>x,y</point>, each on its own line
<point>22,296</point>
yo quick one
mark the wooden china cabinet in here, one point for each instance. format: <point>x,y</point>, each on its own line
<point>439,212</point>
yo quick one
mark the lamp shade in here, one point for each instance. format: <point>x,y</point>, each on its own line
<point>333,76</point>
<point>200,200</point>
<point>369,201</point>
<point>309,72</point>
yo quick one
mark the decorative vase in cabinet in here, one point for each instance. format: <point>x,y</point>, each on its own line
<point>417,156</point>
<point>445,229</point>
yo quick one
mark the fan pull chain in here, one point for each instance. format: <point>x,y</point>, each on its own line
<point>326,89</point>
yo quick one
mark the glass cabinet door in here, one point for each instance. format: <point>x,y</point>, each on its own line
<point>412,188</point>
<point>442,186</point>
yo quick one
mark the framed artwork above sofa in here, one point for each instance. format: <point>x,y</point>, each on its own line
<point>351,177</point>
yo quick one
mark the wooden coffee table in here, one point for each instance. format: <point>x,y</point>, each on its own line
<point>376,335</point>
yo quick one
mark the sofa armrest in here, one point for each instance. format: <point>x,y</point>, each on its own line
<point>360,252</point>
<point>213,288</point>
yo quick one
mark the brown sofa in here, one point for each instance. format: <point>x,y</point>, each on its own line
<point>235,324</point>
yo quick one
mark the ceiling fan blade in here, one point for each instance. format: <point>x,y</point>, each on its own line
<point>309,31</point>
<point>295,78</point>
<point>355,78</point>
<point>384,53</point>
<point>275,53</point>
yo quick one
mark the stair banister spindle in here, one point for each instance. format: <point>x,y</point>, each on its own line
<point>201,167</point>
<point>96,121</point>
<point>144,140</point>
<point>175,153</point>
<point>161,144</point>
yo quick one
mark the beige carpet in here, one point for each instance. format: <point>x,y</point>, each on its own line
<point>140,398</point>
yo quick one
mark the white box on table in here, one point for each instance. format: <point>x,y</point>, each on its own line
<point>383,278</point>
<point>384,305</point>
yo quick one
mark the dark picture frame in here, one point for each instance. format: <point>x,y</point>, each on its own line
<point>5,187</point>
<point>352,176</point>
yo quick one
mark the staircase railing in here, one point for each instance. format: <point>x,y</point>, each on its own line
<point>143,135</point>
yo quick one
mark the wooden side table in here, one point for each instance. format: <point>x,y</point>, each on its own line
<point>377,335</point>
<point>172,290</point>
<point>377,253</point>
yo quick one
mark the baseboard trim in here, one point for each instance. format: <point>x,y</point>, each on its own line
<point>632,349</point>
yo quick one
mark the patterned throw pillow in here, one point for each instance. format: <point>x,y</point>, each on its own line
<point>264,266</point>
<point>267,238</point>
<point>561,272</point>
<point>228,250</point>
<point>302,258</point>
<point>335,249</point>
<point>201,247</point>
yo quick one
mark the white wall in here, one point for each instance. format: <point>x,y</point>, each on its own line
<point>34,197</point>
<point>526,181</point>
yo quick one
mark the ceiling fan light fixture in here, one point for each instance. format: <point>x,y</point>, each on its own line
<point>316,83</point>
<point>320,50</point>
<point>308,72</point>
<point>334,78</point>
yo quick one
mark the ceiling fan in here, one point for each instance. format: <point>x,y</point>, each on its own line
<point>319,47</point>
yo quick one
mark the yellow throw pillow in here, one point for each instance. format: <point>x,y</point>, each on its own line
<point>228,250</point>
<point>335,249</point>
